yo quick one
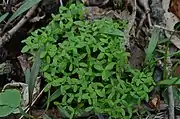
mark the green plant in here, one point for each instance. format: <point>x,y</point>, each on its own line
<point>87,62</point>
<point>8,104</point>
<point>31,76</point>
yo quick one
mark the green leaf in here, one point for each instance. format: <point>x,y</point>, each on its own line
<point>63,112</point>
<point>88,109</point>
<point>64,99</point>
<point>5,111</point>
<point>70,67</point>
<point>124,102</point>
<point>26,5</point>
<point>124,96</point>
<point>82,56</point>
<point>122,111</point>
<point>25,49</point>
<point>104,40</point>
<point>79,99</point>
<point>129,109</point>
<point>52,53</point>
<point>111,103</point>
<point>89,101</point>
<point>110,66</point>
<point>27,75</point>
<point>171,81</point>
<point>75,88</point>
<point>3,17</point>
<point>47,76</point>
<point>7,104</point>
<point>6,98</point>
<point>48,59</point>
<point>146,89</point>
<point>85,96</point>
<point>47,87</point>
<point>79,23</point>
<point>99,84</point>
<point>55,95</point>
<point>88,50</point>
<point>111,95</point>
<point>43,54</point>
<point>33,74</point>
<point>105,75</point>
<point>98,67</point>
<point>72,112</point>
<point>83,64</point>
<point>100,56</point>
<point>100,93</point>
<point>152,44</point>
<point>45,68</point>
<point>70,99</point>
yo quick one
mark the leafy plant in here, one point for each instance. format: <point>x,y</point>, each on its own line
<point>86,61</point>
<point>7,103</point>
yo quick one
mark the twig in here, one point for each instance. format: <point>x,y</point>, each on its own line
<point>7,36</point>
<point>143,17</point>
<point>61,3</point>
<point>164,28</point>
<point>170,91</point>
<point>149,20</point>
<point>131,22</point>
<point>171,103</point>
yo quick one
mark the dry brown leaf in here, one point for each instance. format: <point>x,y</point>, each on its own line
<point>23,62</point>
<point>170,20</point>
<point>154,103</point>
<point>174,7</point>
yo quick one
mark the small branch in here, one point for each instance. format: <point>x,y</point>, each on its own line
<point>164,28</point>
<point>61,3</point>
<point>170,91</point>
<point>171,103</point>
<point>131,22</point>
<point>7,36</point>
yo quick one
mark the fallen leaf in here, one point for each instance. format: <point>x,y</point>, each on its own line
<point>154,103</point>
<point>170,21</point>
<point>174,7</point>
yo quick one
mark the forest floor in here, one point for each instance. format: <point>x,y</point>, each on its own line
<point>142,17</point>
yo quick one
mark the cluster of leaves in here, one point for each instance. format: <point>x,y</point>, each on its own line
<point>87,61</point>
